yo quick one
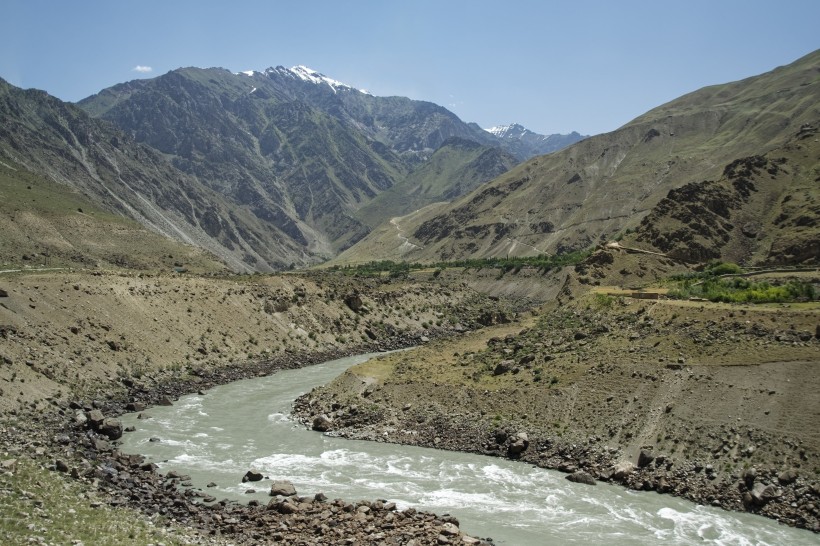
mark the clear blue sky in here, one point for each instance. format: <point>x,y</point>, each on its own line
<point>552,66</point>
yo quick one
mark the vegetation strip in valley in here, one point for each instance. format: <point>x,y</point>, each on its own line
<point>728,283</point>
<point>543,263</point>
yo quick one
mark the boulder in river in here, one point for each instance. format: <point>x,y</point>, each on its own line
<point>252,476</point>
<point>283,488</point>
<point>581,477</point>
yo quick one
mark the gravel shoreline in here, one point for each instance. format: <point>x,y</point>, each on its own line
<point>79,439</point>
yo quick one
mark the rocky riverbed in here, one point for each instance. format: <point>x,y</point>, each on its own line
<point>80,438</point>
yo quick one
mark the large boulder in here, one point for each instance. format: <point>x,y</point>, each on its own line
<point>518,445</point>
<point>581,477</point>
<point>8,465</point>
<point>80,418</point>
<point>283,488</point>
<point>283,506</point>
<point>622,470</point>
<point>111,428</point>
<point>787,476</point>
<point>503,367</point>
<point>354,302</point>
<point>645,458</point>
<point>135,406</point>
<point>449,529</point>
<point>322,423</point>
<point>762,493</point>
<point>252,476</point>
<point>95,418</point>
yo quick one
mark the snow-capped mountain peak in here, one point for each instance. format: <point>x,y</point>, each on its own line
<point>309,75</point>
<point>513,130</point>
<point>303,73</point>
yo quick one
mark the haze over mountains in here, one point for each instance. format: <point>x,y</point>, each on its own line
<point>288,167</point>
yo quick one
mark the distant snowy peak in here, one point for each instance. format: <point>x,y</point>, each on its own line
<point>513,130</point>
<point>309,75</point>
<point>524,144</point>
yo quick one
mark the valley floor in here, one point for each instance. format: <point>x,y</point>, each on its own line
<point>716,403</point>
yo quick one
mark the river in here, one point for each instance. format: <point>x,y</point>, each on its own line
<point>218,436</point>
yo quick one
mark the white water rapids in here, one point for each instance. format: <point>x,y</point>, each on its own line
<point>232,428</point>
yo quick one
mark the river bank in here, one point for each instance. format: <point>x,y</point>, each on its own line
<point>76,342</point>
<point>80,439</point>
<point>703,406</point>
<point>714,405</point>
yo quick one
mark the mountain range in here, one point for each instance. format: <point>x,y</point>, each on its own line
<point>266,170</point>
<point>674,178</point>
<point>288,167</point>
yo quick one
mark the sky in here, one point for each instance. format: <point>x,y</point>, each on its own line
<point>553,66</point>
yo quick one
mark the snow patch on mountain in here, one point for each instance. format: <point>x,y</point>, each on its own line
<point>513,130</point>
<point>309,75</point>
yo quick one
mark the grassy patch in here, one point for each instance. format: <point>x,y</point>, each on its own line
<point>37,503</point>
<point>376,368</point>
<point>740,290</point>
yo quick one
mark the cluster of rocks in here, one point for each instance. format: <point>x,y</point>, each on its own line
<point>80,442</point>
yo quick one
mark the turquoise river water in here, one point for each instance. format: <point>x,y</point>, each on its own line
<point>232,428</point>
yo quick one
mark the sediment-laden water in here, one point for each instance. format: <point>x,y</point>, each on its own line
<point>219,436</point>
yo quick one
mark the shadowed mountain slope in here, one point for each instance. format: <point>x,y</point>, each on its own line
<point>58,140</point>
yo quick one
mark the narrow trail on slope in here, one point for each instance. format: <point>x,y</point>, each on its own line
<point>405,241</point>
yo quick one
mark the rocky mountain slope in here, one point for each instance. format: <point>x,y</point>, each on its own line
<point>762,210</point>
<point>46,224</point>
<point>59,141</point>
<point>455,168</point>
<point>296,149</point>
<point>591,191</point>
